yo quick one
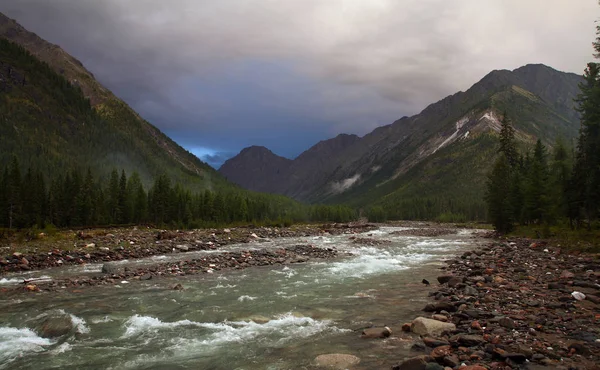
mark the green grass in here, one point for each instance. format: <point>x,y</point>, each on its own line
<point>563,236</point>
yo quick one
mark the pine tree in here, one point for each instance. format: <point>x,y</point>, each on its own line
<point>536,191</point>
<point>507,142</point>
<point>499,204</point>
<point>584,189</point>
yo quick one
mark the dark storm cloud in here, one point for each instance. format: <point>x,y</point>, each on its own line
<point>220,74</point>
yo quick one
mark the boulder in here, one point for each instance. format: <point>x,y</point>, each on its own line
<point>430,327</point>
<point>415,363</point>
<point>55,326</point>
<point>336,361</point>
<point>376,333</point>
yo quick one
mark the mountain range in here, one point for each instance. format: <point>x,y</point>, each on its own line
<point>54,114</point>
<point>442,153</point>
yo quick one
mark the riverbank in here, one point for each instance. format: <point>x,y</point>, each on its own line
<point>511,304</point>
<point>113,247</point>
<point>105,245</point>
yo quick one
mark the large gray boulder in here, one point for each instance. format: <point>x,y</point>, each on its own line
<point>430,327</point>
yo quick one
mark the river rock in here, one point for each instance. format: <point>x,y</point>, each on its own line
<point>376,333</point>
<point>336,361</point>
<point>113,268</point>
<point>440,306</point>
<point>506,322</point>
<point>444,278</point>
<point>55,326</point>
<point>434,342</point>
<point>440,352</point>
<point>469,340</point>
<point>415,363</point>
<point>424,326</point>
<point>469,290</point>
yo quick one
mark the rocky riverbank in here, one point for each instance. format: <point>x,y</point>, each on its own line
<point>511,304</point>
<point>105,245</point>
<point>117,273</point>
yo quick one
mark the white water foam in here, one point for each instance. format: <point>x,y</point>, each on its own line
<point>79,324</point>
<point>61,349</point>
<point>11,281</point>
<point>15,343</point>
<point>246,298</point>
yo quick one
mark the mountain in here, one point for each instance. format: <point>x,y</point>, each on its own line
<point>263,164</point>
<point>441,154</point>
<point>55,114</point>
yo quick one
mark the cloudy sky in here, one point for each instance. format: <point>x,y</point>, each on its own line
<point>220,75</point>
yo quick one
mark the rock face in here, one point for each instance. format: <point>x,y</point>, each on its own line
<point>336,361</point>
<point>430,327</point>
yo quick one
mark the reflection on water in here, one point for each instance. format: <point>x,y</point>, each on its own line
<point>270,317</point>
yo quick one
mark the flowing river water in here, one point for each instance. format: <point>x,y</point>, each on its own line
<point>277,317</point>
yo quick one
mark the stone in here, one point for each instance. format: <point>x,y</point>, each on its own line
<point>451,361</point>
<point>444,278</point>
<point>473,367</point>
<point>470,340</point>
<point>406,327</point>
<point>336,361</point>
<point>440,306</point>
<point>440,352</point>
<point>415,363</point>
<point>593,298</point>
<point>434,342</point>
<point>566,274</point>
<point>433,366</point>
<point>113,268</point>
<point>146,277</point>
<point>56,326</point>
<point>177,287</point>
<point>506,322</point>
<point>578,296</point>
<point>182,247</point>
<point>476,325</point>
<point>439,317</point>
<point>376,333</point>
<point>469,290</point>
<point>455,281</point>
<point>424,326</point>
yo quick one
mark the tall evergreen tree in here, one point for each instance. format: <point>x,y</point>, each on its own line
<point>536,191</point>
<point>498,187</point>
<point>584,190</point>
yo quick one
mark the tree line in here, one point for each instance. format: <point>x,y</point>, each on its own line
<point>80,199</point>
<point>537,187</point>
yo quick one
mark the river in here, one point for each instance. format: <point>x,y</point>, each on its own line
<point>278,317</point>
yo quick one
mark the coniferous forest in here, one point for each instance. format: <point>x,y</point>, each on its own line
<point>543,187</point>
<point>79,199</point>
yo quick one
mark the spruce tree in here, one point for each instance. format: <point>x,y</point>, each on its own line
<point>497,190</point>
<point>584,189</point>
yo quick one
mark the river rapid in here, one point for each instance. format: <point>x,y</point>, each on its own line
<point>278,317</point>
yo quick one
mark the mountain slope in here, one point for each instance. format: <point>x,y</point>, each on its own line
<point>252,165</point>
<point>445,151</point>
<point>46,120</point>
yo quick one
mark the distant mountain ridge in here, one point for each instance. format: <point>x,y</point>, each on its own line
<point>389,162</point>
